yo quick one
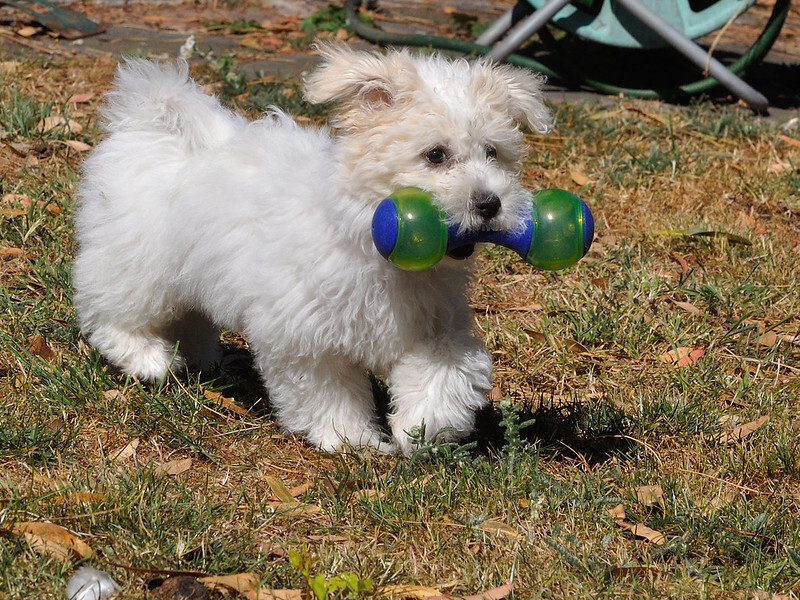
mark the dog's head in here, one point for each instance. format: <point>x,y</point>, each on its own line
<point>452,128</point>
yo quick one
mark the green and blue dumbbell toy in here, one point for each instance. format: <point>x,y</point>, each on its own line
<point>412,232</point>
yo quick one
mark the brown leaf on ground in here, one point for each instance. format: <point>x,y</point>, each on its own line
<point>643,531</point>
<point>28,31</point>
<point>293,508</point>
<point>173,467</point>
<point>499,528</point>
<point>752,223</point>
<point>111,395</point>
<point>685,356</point>
<point>52,540</point>
<point>492,594</point>
<point>225,402</point>
<point>52,122</point>
<point>650,495</point>
<point>579,177</point>
<point>369,494</point>
<point>78,146</point>
<point>125,453</point>
<point>737,434</point>
<point>80,98</point>
<point>247,584</point>
<point>773,338</point>
<point>689,307</point>
<point>720,500</point>
<point>684,265</point>
<point>11,252</point>
<point>38,346</point>
<point>279,490</point>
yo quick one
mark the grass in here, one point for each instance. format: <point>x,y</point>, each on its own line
<point>589,410</point>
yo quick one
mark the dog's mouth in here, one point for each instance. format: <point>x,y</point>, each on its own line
<point>462,252</point>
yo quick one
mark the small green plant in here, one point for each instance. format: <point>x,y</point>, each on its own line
<point>235,27</point>
<point>233,81</point>
<point>329,18</point>
<point>512,431</point>
<point>20,115</point>
<point>343,585</point>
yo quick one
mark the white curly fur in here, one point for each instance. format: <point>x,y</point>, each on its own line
<point>191,218</point>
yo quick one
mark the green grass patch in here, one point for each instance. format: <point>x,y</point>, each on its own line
<point>654,385</point>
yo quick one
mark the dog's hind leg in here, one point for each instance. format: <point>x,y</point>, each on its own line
<point>328,401</point>
<point>142,352</point>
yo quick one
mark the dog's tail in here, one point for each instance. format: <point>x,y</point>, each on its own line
<point>159,97</point>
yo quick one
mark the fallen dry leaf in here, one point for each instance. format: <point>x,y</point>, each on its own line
<point>293,508</point>
<point>737,434</point>
<point>125,453</point>
<point>247,584</point>
<point>492,594</point>
<point>111,395</point>
<point>78,146</point>
<point>28,31</point>
<point>643,531</point>
<point>279,490</point>
<point>579,177</point>
<point>689,307</point>
<point>80,98</point>
<point>681,261</point>
<point>38,346</point>
<point>225,402</point>
<point>9,67</point>
<point>721,500</point>
<point>790,140</point>
<point>52,540</point>
<point>369,494</point>
<point>52,122</point>
<point>752,223</point>
<point>773,338</point>
<point>684,356</point>
<point>499,528</point>
<point>11,252</point>
<point>23,199</point>
<point>173,467</point>
<point>650,495</point>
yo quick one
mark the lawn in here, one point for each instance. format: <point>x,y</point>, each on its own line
<point>643,439</point>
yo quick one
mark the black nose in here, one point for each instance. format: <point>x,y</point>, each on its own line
<point>487,204</point>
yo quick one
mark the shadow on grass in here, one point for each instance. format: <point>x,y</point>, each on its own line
<point>590,431</point>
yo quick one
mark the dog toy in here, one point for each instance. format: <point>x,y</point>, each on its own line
<point>412,233</point>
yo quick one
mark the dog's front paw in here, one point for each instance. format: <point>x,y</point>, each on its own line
<point>366,442</point>
<point>436,391</point>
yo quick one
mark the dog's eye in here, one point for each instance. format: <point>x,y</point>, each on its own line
<point>436,156</point>
<point>491,152</point>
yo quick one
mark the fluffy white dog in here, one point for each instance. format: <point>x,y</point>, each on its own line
<point>191,218</point>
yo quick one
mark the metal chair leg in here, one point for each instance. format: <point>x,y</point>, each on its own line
<point>757,101</point>
<point>526,29</point>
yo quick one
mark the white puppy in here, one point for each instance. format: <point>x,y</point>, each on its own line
<point>191,219</point>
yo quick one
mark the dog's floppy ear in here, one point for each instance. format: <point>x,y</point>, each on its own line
<point>356,80</point>
<point>524,89</point>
